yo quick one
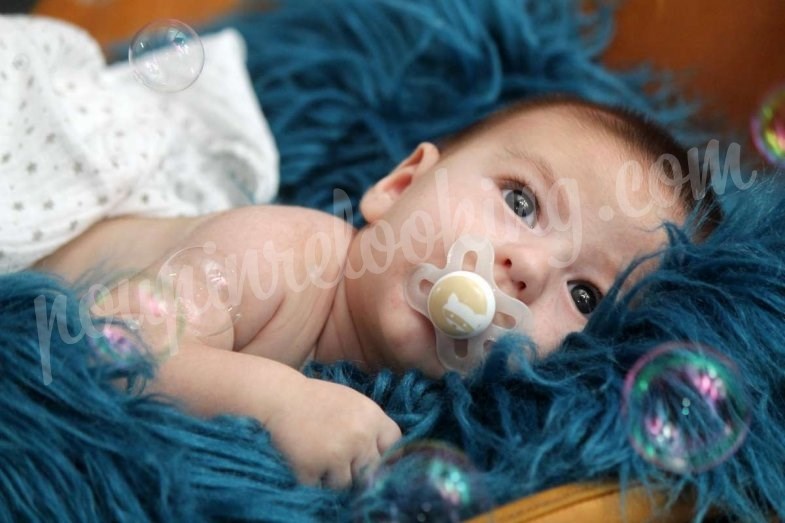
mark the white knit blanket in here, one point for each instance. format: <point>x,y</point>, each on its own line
<point>81,142</point>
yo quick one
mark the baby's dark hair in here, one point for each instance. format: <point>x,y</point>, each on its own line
<point>642,135</point>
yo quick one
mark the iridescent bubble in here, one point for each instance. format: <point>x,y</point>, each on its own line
<point>768,127</point>
<point>166,55</point>
<point>686,407</point>
<point>118,342</point>
<point>150,317</point>
<point>200,286</point>
<point>422,482</point>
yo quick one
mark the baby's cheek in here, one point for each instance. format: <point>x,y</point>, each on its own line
<point>551,326</point>
<point>385,301</point>
<point>410,339</point>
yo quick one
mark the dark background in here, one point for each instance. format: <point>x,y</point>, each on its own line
<point>16,6</point>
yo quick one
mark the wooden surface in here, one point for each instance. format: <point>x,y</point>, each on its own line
<point>590,503</point>
<point>734,49</point>
<point>112,20</point>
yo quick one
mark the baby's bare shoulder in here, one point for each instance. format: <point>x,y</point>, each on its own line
<point>290,261</point>
<point>123,245</point>
<point>280,229</point>
<point>288,221</point>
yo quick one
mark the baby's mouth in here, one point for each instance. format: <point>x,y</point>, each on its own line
<point>467,308</point>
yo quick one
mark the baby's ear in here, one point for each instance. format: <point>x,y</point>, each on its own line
<point>379,198</point>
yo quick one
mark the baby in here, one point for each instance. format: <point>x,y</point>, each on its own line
<point>566,192</point>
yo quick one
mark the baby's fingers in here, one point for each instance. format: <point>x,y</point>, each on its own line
<point>337,478</point>
<point>363,464</point>
<point>389,434</point>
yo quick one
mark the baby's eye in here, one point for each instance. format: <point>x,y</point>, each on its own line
<point>585,296</point>
<point>523,203</point>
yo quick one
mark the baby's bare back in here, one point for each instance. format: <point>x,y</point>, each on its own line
<point>287,262</point>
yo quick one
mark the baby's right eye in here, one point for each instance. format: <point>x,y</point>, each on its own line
<point>585,296</point>
<point>523,203</point>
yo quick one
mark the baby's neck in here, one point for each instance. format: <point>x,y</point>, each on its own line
<point>338,340</point>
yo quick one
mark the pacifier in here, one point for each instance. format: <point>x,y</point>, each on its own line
<point>467,308</point>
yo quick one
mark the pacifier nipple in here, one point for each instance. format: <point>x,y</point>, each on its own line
<point>467,309</point>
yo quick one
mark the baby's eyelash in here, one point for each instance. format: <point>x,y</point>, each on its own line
<point>513,184</point>
<point>516,184</point>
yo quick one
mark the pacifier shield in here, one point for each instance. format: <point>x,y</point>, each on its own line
<point>463,305</point>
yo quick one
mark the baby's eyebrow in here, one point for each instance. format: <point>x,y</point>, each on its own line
<point>605,267</point>
<point>543,166</point>
<point>516,152</point>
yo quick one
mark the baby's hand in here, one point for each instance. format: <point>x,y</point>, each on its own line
<point>330,433</point>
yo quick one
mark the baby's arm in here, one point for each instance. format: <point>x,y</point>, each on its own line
<point>327,431</point>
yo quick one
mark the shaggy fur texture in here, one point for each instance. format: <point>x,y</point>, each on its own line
<point>349,87</point>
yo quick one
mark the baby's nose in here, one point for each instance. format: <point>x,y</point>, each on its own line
<point>520,275</point>
<point>516,284</point>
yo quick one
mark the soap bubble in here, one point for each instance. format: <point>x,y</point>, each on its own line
<point>768,127</point>
<point>200,286</point>
<point>118,341</point>
<point>166,55</point>
<point>422,482</point>
<point>194,292</point>
<point>687,408</point>
<point>141,314</point>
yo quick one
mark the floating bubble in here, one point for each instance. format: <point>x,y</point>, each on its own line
<point>199,285</point>
<point>768,127</point>
<point>166,55</point>
<point>148,317</point>
<point>194,292</point>
<point>119,341</point>
<point>687,408</point>
<point>422,482</point>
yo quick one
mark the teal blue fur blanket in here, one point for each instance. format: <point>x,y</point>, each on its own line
<point>349,87</point>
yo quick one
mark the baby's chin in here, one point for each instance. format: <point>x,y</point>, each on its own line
<point>410,343</point>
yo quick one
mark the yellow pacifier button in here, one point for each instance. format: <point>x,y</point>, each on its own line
<point>461,304</point>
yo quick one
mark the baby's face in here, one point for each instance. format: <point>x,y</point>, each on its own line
<point>564,205</point>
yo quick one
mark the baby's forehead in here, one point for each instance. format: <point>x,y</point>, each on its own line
<point>602,133</point>
<point>610,171</point>
<point>592,122</point>
<point>611,136</point>
<point>553,132</point>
